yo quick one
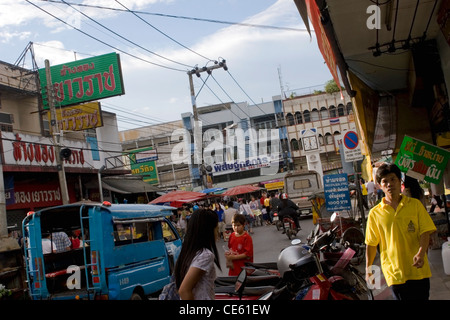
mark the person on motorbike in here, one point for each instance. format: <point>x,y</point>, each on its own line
<point>288,208</point>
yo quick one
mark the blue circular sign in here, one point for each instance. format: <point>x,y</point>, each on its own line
<point>351,140</point>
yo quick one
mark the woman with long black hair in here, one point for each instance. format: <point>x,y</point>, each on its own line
<point>194,271</point>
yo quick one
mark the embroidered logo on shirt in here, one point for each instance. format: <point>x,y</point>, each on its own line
<point>411,227</point>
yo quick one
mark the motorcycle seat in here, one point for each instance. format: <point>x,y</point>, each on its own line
<point>248,291</point>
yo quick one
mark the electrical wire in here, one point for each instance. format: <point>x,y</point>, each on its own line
<point>188,18</point>
<point>101,41</point>
<point>124,38</point>
<point>163,33</point>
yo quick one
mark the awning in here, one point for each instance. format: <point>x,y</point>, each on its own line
<point>127,185</point>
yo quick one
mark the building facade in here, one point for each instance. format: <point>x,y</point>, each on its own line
<point>29,162</point>
<point>330,116</point>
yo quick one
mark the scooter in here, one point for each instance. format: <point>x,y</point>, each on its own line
<point>289,227</point>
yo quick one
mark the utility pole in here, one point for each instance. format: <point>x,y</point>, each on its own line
<point>56,136</point>
<point>198,158</point>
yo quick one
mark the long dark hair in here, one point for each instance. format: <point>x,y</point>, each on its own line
<point>199,235</point>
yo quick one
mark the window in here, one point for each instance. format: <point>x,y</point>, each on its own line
<point>298,117</point>
<point>321,140</point>
<point>341,111</point>
<point>328,138</point>
<point>349,108</point>
<point>302,184</point>
<point>294,145</point>
<point>315,115</point>
<point>332,111</point>
<point>307,116</point>
<point>168,233</point>
<point>324,113</point>
<point>290,119</point>
<point>128,233</point>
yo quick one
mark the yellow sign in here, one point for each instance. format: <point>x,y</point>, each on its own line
<point>79,117</point>
<point>274,185</point>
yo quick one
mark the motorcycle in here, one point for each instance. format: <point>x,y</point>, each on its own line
<point>290,227</point>
<point>307,277</point>
<point>347,235</point>
<point>244,286</point>
<point>277,221</point>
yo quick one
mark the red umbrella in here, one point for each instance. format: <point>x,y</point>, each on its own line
<point>240,190</point>
<point>176,198</point>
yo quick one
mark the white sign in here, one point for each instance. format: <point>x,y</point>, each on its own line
<point>309,140</point>
<point>352,147</point>
<point>24,149</point>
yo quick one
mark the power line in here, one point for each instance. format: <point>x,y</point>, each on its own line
<point>251,25</point>
<point>163,33</point>
<point>101,41</point>
<point>124,38</point>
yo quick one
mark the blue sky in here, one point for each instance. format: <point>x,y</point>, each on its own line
<point>155,94</point>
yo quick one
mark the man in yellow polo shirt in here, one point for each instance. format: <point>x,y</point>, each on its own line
<point>401,227</point>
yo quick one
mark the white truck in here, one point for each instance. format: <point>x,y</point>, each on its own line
<point>299,186</point>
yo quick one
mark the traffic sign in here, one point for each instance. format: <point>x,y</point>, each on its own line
<point>351,140</point>
<point>352,148</point>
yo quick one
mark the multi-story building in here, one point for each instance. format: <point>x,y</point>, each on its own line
<point>170,175</point>
<point>28,149</point>
<point>327,113</point>
<point>241,144</point>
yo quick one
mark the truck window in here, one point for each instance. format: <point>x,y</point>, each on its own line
<point>127,233</point>
<point>302,184</point>
<point>168,233</point>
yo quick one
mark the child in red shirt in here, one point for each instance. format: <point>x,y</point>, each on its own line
<point>240,244</point>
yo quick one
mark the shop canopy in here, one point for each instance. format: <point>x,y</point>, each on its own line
<point>178,197</point>
<point>240,190</point>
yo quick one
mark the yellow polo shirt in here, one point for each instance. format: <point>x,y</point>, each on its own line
<point>397,233</point>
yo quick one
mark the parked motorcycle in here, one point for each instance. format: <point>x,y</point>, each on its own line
<point>244,286</point>
<point>347,235</point>
<point>307,277</point>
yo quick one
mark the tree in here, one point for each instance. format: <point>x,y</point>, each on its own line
<point>331,87</point>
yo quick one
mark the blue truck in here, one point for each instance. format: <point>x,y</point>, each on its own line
<point>125,251</point>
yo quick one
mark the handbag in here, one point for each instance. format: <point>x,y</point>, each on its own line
<point>170,292</point>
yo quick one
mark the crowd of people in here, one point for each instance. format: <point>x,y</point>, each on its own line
<point>398,227</point>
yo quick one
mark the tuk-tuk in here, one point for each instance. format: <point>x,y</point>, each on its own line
<point>123,251</point>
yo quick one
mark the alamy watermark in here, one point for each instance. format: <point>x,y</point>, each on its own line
<point>374,20</point>
<point>228,150</point>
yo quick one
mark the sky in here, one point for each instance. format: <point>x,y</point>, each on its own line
<point>169,41</point>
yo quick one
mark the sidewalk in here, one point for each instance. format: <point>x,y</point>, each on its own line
<point>440,282</point>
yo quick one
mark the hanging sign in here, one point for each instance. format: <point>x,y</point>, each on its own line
<point>421,160</point>
<point>84,80</point>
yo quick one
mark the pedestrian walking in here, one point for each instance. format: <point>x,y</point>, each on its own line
<point>194,270</point>
<point>400,227</point>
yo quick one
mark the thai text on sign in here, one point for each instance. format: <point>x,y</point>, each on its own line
<point>84,80</point>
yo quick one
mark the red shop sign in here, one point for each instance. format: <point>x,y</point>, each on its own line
<point>36,195</point>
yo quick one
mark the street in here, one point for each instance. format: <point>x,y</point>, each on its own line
<point>267,243</point>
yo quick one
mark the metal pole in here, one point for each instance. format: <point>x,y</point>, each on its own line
<point>198,159</point>
<point>3,218</point>
<point>56,136</point>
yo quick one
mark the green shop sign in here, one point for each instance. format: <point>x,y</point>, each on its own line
<point>142,162</point>
<point>84,80</point>
<point>422,160</point>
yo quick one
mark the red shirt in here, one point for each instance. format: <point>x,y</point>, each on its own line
<point>239,245</point>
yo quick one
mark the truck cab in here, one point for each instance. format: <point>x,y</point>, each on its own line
<point>124,251</point>
<point>299,186</point>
